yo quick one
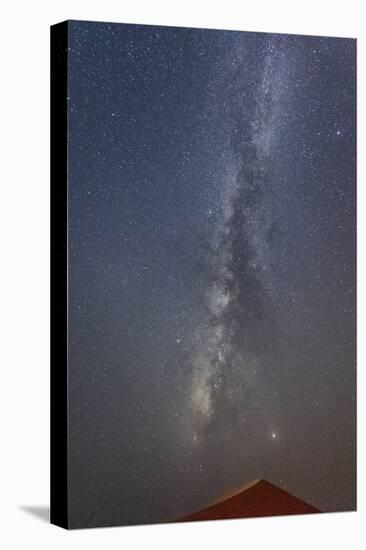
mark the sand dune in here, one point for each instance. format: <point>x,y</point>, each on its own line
<point>255,499</point>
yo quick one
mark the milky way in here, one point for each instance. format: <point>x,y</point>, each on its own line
<point>211,269</point>
<point>227,363</point>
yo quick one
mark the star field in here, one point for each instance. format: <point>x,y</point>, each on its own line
<point>212,268</point>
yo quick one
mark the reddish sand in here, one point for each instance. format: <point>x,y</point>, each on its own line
<point>258,498</point>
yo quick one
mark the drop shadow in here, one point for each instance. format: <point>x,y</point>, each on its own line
<point>40,512</point>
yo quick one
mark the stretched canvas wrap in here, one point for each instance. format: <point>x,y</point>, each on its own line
<point>203,274</point>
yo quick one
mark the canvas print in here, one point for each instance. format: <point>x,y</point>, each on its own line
<point>204,361</point>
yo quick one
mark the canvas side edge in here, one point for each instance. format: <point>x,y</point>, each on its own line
<point>59,318</point>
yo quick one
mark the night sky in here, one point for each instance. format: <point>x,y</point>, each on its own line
<point>212,276</point>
